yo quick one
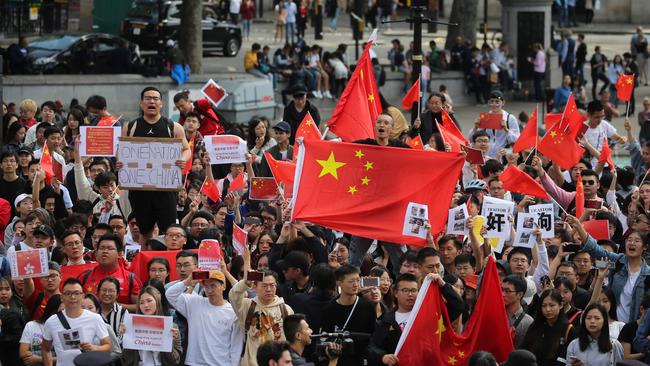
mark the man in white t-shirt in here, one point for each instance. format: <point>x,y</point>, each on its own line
<point>381,350</point>
<point>73,330</point>
<point>214,335</point>
<point>599,128</point>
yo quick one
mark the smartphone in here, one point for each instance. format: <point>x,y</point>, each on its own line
<point>572,248</point>
<point>369,281</point>
<point>601,264</point>
<point>200,275</point>
<point>595,204</point>
<point>256,276</point>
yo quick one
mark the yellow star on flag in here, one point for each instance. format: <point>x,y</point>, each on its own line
<point>359,154</point>
<point>352,190</point>
<point>368,165</point>
<point>415,143</point>
<point>452,360</point>
<point>330,166</point>
<point>628,81</point>
<point>553,133</point>
<point>254,182</point>
<point>308,123</point>
<point>365,180</point>
<point>461,354</point>
<point>371,98</point>
<point>441,328</point>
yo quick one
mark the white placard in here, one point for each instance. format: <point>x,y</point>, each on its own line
<point>150,163</point>
<point>71,338</point>
<point>545,216</point>
<point>525,233</point>
<point>148,333</point>
<point>98,140</point>
<point>456,220</point>
<point>497,220</point>
<point>225,149</point>
<point>28,263</point>
<point>416,216</point>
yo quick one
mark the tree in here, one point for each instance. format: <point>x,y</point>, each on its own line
<point>464,13</point>
<point>191,35</point>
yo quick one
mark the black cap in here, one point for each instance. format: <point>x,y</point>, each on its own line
<point>299,90</point>
<point>44,230</point>
<point>283,126</point>
<point>25,150</point>
<point>54,266</point>
<point>295,259</point>
<point>497,94</point>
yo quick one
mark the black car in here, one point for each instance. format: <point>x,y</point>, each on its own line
<point>151,23</point>
<point>95,53</point>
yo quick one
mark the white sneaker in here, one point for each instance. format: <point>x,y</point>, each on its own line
<point>327,94</point>
<point>318,94</point>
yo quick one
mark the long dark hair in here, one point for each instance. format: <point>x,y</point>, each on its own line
<point>52,307</point>
<point>76,114</point>
<point>584,338</point>
<point>12,131</point>
<point>250,141</point>
<point>537,329</point>
<point>161,289</point>
<point>387,299</point>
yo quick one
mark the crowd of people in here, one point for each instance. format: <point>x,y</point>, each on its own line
<point>570,299</point>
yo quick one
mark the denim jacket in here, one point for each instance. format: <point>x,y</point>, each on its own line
<point>641,343</point>
<point>618,278</point>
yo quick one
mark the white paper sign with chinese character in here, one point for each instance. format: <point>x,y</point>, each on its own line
<point>28,263</point>
<point>545,216</point>
<point>525,233</point>
<point>456,220</point>
<point>225,149</point>
<point>497,219</point>
<point>148,333</point>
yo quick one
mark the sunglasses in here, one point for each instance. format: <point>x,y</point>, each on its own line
<point>589,182</point>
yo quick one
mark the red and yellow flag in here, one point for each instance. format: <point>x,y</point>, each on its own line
<point>412,96</point>
<point>108,121</point>
<point>308,131</point>
<point>188,164</point>
<point>625,87</point>
<point>560,146</point>
<point>47,164</point>
<point>528,137</point>
<point>515,180</point>
<point>210,190</point>
<point>580,198</point>
<point>237,183</point>
<point>606,154</point>
<point>416,143</point>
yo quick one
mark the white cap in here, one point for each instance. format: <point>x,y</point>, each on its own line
<point>531,290</point>
<point>20,198</point>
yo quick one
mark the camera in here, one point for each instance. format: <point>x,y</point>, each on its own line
<point>345,340</point>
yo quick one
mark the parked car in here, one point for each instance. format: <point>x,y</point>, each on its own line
<point>151,23</point>
<point>95,53</point>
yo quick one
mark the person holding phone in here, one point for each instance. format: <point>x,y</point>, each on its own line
<point>594,347</point>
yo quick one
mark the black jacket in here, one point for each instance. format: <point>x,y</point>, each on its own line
<point>428,126</point>
<point>264,170</point>
<point>293,117</point>
<point>385,338</point>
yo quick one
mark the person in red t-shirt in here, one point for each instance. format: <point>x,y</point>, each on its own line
<point>37,300</point>
<point>109,250</point>
<point>210,124</point>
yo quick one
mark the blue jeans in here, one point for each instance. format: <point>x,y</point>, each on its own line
<point>564,17</point>
<point>290,32</point>
<point>246,27</point>
<point>335,18</point>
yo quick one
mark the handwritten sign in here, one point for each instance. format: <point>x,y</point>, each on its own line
<point>98,140</point>
<point>225,149</point>
<point>147,333</point>
<point>545,219</point>
<point>149,163</point>
<point>28,263</point>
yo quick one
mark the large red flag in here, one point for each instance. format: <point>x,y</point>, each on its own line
<point>188,164</point>
<point>308,131</point>
<point>139,264</point>
<point>515,180</point>
<point>429,338</point>
<point>580,198</point>
<point>606,154</point>
<point>352,188</point>
<point>356,112</point>
<point>625,87</point>
<point>47,164</point>
<point>210,190</point>
<point>559,146</point>
<point>528,137</point>
<point>412,96</point>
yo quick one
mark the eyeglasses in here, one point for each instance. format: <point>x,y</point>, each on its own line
<point>408,291</point>
<point>175,235</point>
<point>268,286</point>
<point>507,290</point>
<point>107,291</point>
<point>199,224</point>
<point>185,265</point>
<point>482,141</point>
<point>106,249</point>
<point>581,261</point>
<point>73,293</point>
<point>519,260</point>
<point>72,243</point>
<point>589,182</point>
<point>52,277</point>
<point>150,98</point>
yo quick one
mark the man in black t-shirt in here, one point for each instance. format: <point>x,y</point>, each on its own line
<point>11,185</point>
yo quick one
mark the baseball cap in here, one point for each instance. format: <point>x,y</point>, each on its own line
<point>54,266</point>
<point>217,275</point>
<point>25,150</point>
<point>497,94</point>
<point>283,126</point>
<point>295,259</point>
<point>44,230</point>
<point>300,90</point>
<point>20,198</point>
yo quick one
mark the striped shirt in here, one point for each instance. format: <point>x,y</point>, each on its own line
<point>115,317</point>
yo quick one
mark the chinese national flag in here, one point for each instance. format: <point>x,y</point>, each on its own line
<point>413,96</point>
<point>107,121</point>
<point>606,155</point>
<point>263,189</point>
<point>237,183</point>
<point>559,146</point>
<point>490,120</point>
<point>528,137</point>
<point>283,171</point>
<point>515,180</point>
<point>570,118</point>
<point>450,137</point>
<point>429,337</point>
<point>139,264</point>
<point>580,198</point>
<point>353,188</point>
<point>188,164</point>
<point>451,127</point>
<point>416,143</point>
<point>239,239</point>
<point>47,164</point>
<point>625,87</point>
<point>356,112</point>
<point>210,190</point>
<point>308,131</point>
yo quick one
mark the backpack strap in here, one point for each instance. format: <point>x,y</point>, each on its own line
<point>170,126</point>
<point>95,202</point>
<point>249,316</point>
<point>119,207</point>
<point>86,275</point>
<point>283,310</point>
<point>519,319</point>
<point>131,127</point>
<point>63,320</point>
<point>574,316</point>
<point>566,333</point>
<point>37,303</point>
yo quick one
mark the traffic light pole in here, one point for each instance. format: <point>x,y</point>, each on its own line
<point>416,19</point>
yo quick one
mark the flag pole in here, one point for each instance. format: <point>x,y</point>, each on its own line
<point>420,94</point>
<point>559,205</point>
<point>327,129</point>
<point>536,127</point>
<point>627,109</point>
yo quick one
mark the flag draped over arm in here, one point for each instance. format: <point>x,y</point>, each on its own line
<point>356,112</point>
<point>370,191</point>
